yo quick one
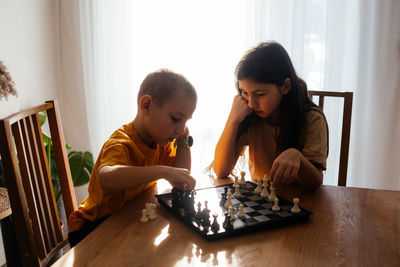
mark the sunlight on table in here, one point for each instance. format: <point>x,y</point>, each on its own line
<point>163,235</point>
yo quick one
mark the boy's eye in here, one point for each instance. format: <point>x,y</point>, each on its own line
<point>174,119</point>
<point>244,93</point>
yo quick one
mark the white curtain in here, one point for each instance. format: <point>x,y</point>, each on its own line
<point>335,46</point>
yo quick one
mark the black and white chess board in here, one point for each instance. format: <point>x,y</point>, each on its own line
<point>210,219</point>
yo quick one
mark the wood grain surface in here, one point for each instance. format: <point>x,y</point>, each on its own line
<point>349,227</point>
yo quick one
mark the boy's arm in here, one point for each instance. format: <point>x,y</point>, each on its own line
<point>121,177</point>
<point>183,157</point>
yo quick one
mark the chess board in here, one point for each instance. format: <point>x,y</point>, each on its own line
<point>258,212</point>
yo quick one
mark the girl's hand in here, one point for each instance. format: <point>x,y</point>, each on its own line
<point>285,168</point>
<point>240,110</point>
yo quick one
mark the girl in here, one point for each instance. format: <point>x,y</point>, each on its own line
<point>287,134</point>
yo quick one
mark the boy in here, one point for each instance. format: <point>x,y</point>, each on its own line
<point>153,146</point>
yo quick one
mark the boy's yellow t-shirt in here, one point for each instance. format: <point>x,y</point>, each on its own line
<point>124,147</point>
<point>262,141</point>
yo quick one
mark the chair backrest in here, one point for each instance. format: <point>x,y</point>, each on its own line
<point>26,171</point>
<point>346,123</point>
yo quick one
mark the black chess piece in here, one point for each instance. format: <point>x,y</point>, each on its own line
<point>205,220</point>
<point>223,196</point>
<point>215,225</point>
<point>199,215</point>
<point>189,205</point>
<point>227,224</point>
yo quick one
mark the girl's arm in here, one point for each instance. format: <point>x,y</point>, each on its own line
<point>291,166</point>
<point>225,155</point>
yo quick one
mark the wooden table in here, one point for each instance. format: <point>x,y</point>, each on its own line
<point>350,227</point>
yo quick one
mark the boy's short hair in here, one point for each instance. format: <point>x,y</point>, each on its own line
<point>163,83</point>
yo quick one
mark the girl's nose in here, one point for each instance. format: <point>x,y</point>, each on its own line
<point>252,102</point>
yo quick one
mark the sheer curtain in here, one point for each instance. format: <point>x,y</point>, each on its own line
<point>335,46</point>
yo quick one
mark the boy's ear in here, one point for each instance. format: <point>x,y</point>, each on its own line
<point>145,103</point>
<point>287,85</point>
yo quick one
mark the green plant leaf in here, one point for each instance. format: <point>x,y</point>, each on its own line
<point>42,117</point>
<point>81,165</point>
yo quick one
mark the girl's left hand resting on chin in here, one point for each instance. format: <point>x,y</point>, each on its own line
<point>285,168</point>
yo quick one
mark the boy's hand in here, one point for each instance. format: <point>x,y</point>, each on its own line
<point>240,110</point>
<point>185,133</point>
<point>285,168</point>
<point>180,178</point>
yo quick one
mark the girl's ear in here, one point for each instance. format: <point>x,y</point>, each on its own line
<point>287,85</point>
<point>145,103</point>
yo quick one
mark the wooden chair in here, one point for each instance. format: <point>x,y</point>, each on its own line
<point>346,123</point>
<point>26,170</point>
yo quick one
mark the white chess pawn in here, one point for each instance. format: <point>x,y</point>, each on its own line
<point>264,192</point>
<point>276,207</point>
<point>241,214</point>
<point>258,188</point>
<point>236,182</point>
<point>237,192</point>
<point>272,195</point>
<point>230,213</point>
<point>295,208</point>
<point>151,211</point>
<point>228,202</point>
<point>242,181</point>
<point>144,216</point>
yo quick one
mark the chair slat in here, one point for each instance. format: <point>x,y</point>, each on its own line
<point>20,215</point>
<point>51,205</point>
<point>22,143</point>
<point>49,226</point>
<point>61,156</point>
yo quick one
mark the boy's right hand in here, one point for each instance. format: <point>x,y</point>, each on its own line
<point>240,110</point>
<point>180,178</point>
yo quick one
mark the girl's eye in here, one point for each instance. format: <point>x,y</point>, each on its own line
<point>261,94</point>
<point>244,93</point>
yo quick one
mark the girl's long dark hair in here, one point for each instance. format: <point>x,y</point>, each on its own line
<point>268,62</point>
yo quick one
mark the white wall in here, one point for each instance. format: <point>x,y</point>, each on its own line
<point>29,47</point>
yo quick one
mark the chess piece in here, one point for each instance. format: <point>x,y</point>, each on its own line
<point>227,223</point>
<point>276,207</point>
<point>272,195</point>
<point>242,181</point>
<point>223,196</point>
<point>205,220</point>
<point>236,182</point>
<point>198,215</point>
<point>144,216</point>
<point>258,188</point>
<point>241,215</point>
<point>151,211</point>
<point>228,202</point>
<point>230,213</point>
<point>264,192</point>
<point>215,225</point>
<point>237,192</point>
<point>295,208</point>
